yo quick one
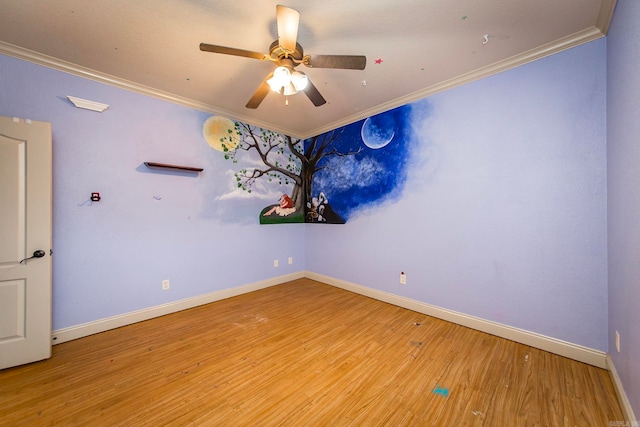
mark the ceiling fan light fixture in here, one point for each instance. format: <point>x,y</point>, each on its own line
<point>281,78</point>
<point>289,89</point>
<point>299,80</point>
<point>287,82</point>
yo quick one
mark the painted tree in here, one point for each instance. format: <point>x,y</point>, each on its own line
<point>286,160</point>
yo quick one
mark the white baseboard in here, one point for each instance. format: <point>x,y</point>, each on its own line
<point>552,345</point>
<point>622,395</point>
<point>562,348</point>
<point>90,328</point>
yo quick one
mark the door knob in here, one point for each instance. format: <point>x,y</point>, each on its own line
<point>36,254</point>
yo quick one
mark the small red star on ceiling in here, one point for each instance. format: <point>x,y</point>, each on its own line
<point>378,61</point>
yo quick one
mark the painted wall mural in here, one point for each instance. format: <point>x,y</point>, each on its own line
<point>324,179</point>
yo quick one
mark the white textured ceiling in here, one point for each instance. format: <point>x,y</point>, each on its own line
<point>422,46</point>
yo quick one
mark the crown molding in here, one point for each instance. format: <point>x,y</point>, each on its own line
<point>80,71</point>
<point>548,49</point>
<point>605,15</point>
<point>581,37</point>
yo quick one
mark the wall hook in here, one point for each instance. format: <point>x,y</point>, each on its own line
<point>95,197</point>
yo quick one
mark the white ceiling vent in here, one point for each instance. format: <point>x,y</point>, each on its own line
<point>88,105</point>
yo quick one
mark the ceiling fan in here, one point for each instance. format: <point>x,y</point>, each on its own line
<point>288,54</point>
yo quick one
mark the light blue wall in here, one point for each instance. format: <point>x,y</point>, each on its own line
<point>504,214</point>
<point>110,257</point>
<point>623,150</point>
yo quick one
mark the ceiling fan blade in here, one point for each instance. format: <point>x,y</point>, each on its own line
<point>260,93</point>
<point>288,20</point>
<point>346,62</point>
<point>231,51</point>
<point>314,95</point>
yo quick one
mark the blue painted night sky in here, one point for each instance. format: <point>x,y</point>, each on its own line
<point>373,176</point>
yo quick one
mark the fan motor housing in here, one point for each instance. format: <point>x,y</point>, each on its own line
<point>284,57</point>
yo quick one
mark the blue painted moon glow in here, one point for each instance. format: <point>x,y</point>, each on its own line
<point>375,136</point>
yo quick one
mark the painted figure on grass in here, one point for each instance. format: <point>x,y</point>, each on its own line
<point>285,207</point>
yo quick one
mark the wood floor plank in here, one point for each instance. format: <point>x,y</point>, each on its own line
<point>303,353</point>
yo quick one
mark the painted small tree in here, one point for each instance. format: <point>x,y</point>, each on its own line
<point>287,160</point>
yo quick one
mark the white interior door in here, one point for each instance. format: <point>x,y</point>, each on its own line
<point>25,229</point>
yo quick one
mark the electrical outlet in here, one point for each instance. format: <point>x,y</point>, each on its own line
<point>166,285</point>
<point>403,278</point>
<point>618,341</point>
<point>275,262</point>
<point>290,260</point>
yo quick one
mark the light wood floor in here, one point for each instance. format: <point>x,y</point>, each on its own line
<point>303,354</point>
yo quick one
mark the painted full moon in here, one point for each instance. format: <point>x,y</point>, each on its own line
<point>375,135</point>
<point>219,130</point>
